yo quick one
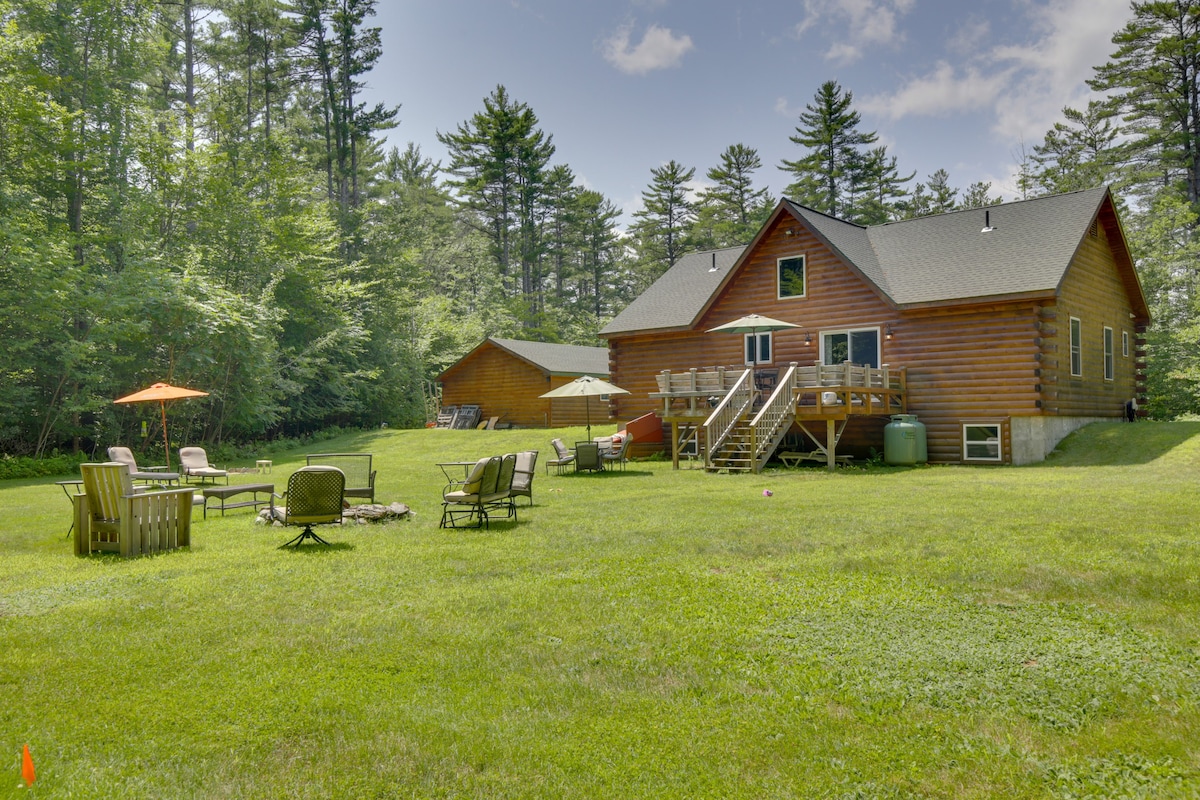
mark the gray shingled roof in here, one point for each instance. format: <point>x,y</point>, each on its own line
<point>674,300</point>
<point>559,359</point>
<point>936,259</point>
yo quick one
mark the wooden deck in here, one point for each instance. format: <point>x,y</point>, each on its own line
<point>749,411</point>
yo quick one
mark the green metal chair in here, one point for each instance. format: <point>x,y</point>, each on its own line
<point>587,457</point>
<point>502,496</point>
<point>471,497</point>
<point>314,497</point>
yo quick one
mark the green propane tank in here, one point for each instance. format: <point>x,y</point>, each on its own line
<point>904,441</point>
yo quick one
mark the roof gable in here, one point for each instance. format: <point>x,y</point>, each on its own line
<point>936,260</point>
<point>677,298</point>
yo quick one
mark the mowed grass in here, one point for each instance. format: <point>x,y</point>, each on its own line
<point>930,632</point>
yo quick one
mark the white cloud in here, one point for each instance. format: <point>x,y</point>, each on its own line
<point>1070,38</point>
<point>659,48</point>
<point>783,109</point>
<point>869,23</point>
<point>969,37</point>
<point>946,90</point>
<point>1025,84</point>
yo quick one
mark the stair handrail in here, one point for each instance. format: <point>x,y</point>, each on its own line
<point>725,416</point>
<point>780,408</point>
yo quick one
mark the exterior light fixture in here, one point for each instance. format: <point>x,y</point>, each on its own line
<point>887,332</point>
<point>807,338</point>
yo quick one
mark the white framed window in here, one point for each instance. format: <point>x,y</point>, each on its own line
<point>791,277</point>
<point>758,348</point>
<point>859,346</point>
<point>1125,344</point>
<point>981,442</point>
<point>1076,347</point>
<point>1108,354</point>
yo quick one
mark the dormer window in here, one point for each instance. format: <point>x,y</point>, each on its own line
<point>791,277</point>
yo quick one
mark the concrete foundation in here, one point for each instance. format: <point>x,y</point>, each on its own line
<point>1033,438</point>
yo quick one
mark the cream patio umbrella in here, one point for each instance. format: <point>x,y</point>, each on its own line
<point>753,324</point>
<point>586,387</point>
<point>162,392</point>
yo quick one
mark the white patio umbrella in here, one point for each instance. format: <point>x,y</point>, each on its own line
<point>753,324</point>
<point>586,387</point>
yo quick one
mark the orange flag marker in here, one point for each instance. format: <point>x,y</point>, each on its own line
<point>27,767</point>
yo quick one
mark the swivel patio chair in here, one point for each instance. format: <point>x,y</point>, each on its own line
<point>313,497</point>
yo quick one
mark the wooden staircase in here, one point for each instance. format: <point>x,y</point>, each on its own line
<point>742,438</point>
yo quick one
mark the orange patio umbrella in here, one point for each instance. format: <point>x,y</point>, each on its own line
<point>162,392</point>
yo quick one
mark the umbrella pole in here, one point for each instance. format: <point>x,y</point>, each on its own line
<point>166,445</point>
<point>587,407</point>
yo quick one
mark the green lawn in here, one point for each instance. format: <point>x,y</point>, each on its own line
<point>938,632</point>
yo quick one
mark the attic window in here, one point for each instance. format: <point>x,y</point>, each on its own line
<point>1094,230</point>
<point>791,277</point>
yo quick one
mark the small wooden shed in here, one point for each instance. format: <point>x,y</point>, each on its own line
<point>506,378</point>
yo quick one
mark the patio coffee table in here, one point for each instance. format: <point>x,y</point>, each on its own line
<point>223,493</point>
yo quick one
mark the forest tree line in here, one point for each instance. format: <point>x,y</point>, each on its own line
<point>196,192</point>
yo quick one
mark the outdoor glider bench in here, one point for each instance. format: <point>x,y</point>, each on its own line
<point>360,478</point>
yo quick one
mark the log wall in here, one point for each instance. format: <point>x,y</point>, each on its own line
<point>508,387</point>
<point>969,363</point>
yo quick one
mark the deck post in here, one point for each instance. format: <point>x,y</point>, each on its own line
<point>830,444</point>
<point>674,444</point>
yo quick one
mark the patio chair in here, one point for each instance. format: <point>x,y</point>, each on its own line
<point>620,455</point>
<point>587,457</point>
<point>112,516</point>
<point>124,455</point>
<point>360,478</point>
<point>502,497</point>
<point>522,485</point>
<point>313,497</point>
<point>563,456</point>
<point>469,500</point>
<point>193,463</point>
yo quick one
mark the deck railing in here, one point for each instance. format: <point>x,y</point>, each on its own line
<point>724,418</point>
<point>773,419</point>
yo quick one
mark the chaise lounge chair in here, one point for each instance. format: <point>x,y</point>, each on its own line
<point>193,463</point>
<point>123,455</point>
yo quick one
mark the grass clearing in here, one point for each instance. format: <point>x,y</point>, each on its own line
<point>933,632</point>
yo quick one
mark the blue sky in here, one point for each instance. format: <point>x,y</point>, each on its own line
<point>625,86</point>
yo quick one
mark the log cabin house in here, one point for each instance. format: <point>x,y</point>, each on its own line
<point>1002,329</point>
<point>505,377</point>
